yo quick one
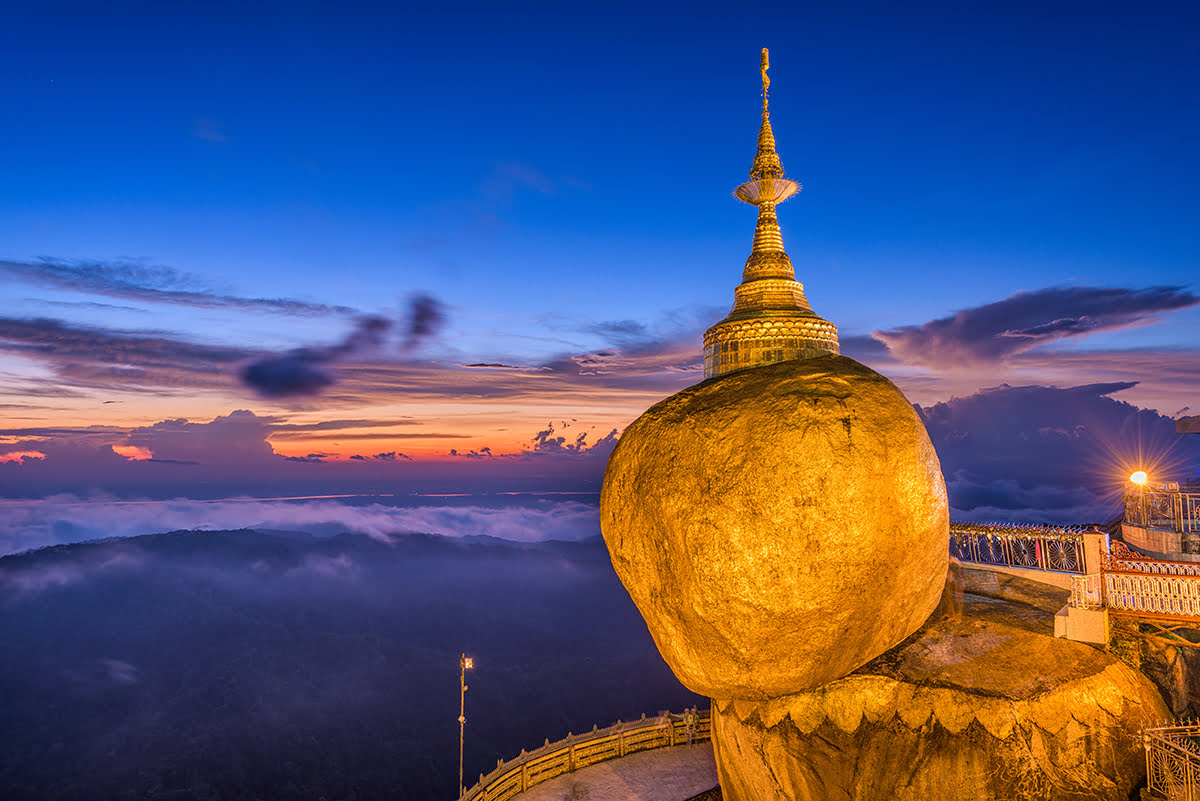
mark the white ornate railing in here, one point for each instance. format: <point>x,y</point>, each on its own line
<point>1087,592</point>
<point>1124,560</point>
<point>1053,548</point>
<point>1129,583</point>
<point>1153,595</point>
<point>576,751</point>
<point>1133,584</point>
<point>1173,761</point>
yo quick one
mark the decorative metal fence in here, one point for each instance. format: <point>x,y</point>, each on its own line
<point>1087,592</point>
<point>1172,597</point>
<point>577,751</point>
<point>1054,548</point>
<point>1150,588</point>
<point>1173,761</point>
<point>1123,559</point>
<point>1165,511</point>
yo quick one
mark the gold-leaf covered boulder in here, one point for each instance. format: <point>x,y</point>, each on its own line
<point>778,527</point>
<point>988,707</point>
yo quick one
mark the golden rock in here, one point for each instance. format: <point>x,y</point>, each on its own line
<point>778,527</point>
<point>984,708</point>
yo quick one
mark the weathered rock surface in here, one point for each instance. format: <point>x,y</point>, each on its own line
<point>778,527</point>
<point>977,709</point>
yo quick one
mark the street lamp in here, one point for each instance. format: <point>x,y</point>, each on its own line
<point>465,663</point>
<point>1138,477</point>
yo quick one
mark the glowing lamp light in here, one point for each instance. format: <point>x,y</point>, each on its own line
<point>1138,477</point>
<point>469,662</point>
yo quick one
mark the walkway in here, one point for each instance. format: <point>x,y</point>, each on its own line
<point>664,774</point>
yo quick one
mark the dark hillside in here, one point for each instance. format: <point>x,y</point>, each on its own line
<point>254,665</point>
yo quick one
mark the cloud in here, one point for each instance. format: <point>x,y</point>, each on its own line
<point>17,535</point>
<point>34,524</point>
<point>297,372</point>
<point>426,316</point>
<point>81,361</point>
<point>1038,453</point>
<point>546,444</point>
<point>232,454</point>
<point>86,357</point>
<point>151,283</point>
<point>238,437</point>
<point>1026,320</point>
<point>309,371</point>
<point>305,371</point>
<point>302,430</point>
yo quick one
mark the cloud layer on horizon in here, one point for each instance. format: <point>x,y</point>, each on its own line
<point>1029,454</point>
<point>36,524</point>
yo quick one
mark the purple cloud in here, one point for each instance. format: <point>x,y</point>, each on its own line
<point>1025,320</point>
<point>152,283</point>
<point>309,371</point>
<point>305,371</point>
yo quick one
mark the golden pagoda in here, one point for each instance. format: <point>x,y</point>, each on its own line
<point>771,320</point>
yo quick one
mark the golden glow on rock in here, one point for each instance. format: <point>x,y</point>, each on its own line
<point>771,320</point>
<point>967,709</point>
<point>779,527</point>
<point>1138,477</point>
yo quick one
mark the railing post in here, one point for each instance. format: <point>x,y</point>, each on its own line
<point>621,743</point>
<point>524,776</point>
<point>571,758</point>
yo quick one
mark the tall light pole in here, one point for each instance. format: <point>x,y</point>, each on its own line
<point>1143,516</point>
<point>465,663</point>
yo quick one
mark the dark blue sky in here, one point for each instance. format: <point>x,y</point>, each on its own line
<point>955,152</point>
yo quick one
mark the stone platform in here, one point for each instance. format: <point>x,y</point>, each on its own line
<point>664,774</point>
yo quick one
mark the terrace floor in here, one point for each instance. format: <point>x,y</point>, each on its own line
<point>664,774</point>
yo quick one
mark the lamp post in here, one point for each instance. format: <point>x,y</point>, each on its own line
<point>1138,477</point>
<point>465,663</point>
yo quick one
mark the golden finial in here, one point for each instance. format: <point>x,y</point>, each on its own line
<point>771,320</point>
<point>763,66</point>
<point>766,161</point>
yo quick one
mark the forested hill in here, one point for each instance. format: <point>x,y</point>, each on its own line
<point>274,665</point>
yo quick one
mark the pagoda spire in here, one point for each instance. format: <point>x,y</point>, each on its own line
<point>771,320</point>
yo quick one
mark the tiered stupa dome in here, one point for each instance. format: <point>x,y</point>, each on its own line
<point>771,320</point>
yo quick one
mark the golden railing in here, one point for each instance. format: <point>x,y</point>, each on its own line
<point>1173,761</point>
<point>577,751</point>
<point>1053,548</point>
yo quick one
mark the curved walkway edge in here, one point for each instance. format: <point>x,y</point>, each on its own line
<point>664,774</point>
